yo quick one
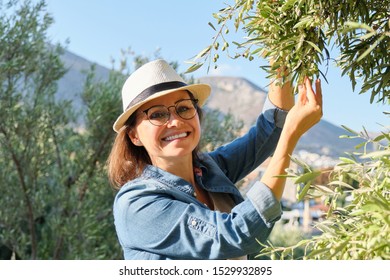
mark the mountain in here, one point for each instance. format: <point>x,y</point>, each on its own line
<point>235,94</point>
<point>245,100</point>
<point>71,84</point>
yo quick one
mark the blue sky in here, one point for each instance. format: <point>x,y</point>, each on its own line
<point>98,30</point>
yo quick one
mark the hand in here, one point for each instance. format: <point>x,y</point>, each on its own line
<point>307,110</point>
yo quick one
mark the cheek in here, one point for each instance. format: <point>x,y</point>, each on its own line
<point>147,134</point>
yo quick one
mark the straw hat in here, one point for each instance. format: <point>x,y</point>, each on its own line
<point>152,80</point>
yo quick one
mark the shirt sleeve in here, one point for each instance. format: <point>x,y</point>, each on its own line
<point>241,156</point>
<point>274,114</point>
<point>157,223</point>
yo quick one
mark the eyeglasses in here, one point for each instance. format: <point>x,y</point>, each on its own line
<point>160,114</point>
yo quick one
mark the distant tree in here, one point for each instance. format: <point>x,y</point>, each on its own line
<point>219,129</point>
<point>31,124</point>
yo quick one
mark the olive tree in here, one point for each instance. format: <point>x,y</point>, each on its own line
<point>31,124</point>
<point>55,201</point>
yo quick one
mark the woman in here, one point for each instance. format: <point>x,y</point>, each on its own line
<point>176,203</point>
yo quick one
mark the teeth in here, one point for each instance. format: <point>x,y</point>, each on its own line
<point>173,137</point>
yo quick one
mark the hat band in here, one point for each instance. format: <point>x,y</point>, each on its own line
<point>154,89</point>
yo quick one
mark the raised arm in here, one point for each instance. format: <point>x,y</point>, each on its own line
<point>303,115</point>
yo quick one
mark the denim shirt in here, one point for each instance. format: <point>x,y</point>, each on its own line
<point>158,217</point>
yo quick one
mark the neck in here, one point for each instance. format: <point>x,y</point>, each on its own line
<point>179,166</point>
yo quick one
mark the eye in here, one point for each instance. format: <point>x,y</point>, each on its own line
<point>157,114</point>
<point>183,108</point>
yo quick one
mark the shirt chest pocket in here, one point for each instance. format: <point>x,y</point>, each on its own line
<point>202,226</point>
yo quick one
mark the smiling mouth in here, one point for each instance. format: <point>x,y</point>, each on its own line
<point>177,136</point>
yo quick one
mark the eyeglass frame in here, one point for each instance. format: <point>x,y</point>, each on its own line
<point>194,102</point>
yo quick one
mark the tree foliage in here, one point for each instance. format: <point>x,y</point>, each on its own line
<point>299,35</point>
<point>56,201</point>
<point>357,224</point>
<point>219,129</point>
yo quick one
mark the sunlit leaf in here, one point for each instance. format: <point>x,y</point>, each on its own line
<point>314,46</point>
<point>310,176</point>
<point>203,53</point>
<point>194,67</point>
<point>377,154</point>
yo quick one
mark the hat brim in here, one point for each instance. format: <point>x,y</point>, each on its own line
<point>200,92</point>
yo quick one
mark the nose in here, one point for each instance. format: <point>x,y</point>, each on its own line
<point>172,115</point>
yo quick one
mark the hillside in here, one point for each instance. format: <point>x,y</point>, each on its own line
<point>237,95</point>
<point>71,85</point>
<point>245,100</point>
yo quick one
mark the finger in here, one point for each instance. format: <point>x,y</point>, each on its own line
<point>319,92</point>
<point>309,91</point>
<point>301,94</point>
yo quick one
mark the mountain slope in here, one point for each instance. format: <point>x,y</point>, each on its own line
<point>71,85</point>
<point>245,100</point>
<point>237,95</point>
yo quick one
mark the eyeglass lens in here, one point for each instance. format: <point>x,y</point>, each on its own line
<point>160,114</point>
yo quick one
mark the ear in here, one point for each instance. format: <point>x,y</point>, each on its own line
<point>134,138</point>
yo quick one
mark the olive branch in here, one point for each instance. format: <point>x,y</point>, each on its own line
<point>300,34</point>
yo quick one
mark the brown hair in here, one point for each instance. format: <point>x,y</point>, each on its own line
<point>126,160</point>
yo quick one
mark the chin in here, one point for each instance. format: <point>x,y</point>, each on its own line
<point>179,152</point>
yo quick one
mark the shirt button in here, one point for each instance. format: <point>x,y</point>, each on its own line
<point>193,223</point>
